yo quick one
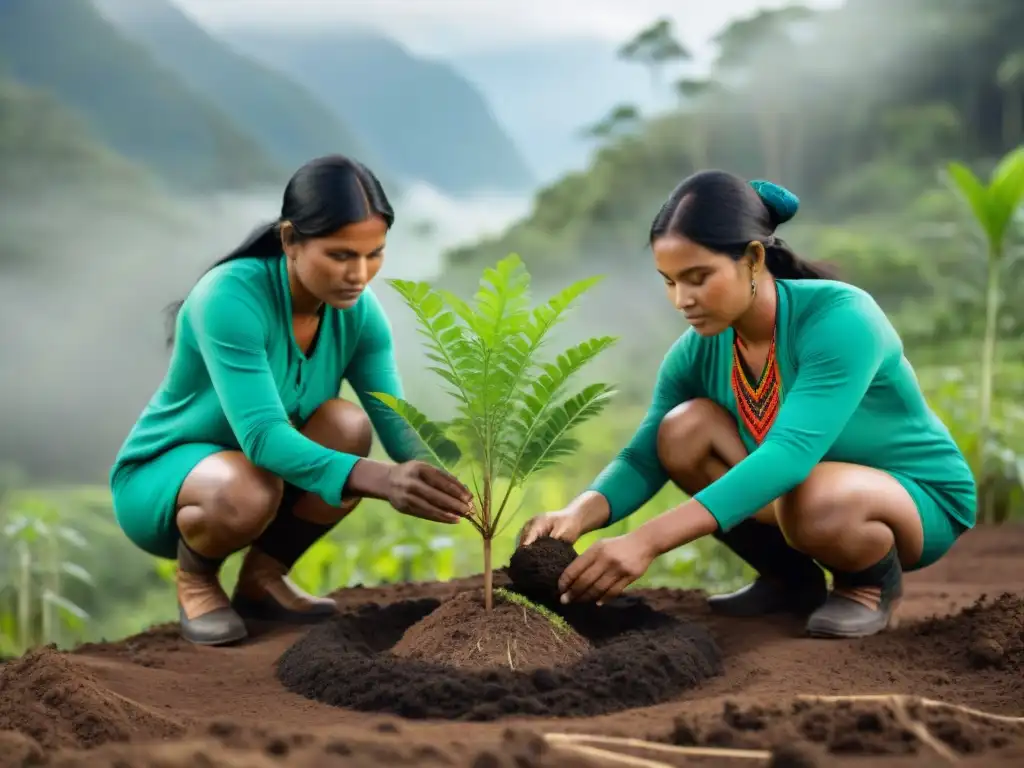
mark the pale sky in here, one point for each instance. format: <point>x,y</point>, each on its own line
<point>453,27</point>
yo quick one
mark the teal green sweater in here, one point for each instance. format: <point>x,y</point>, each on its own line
<point>238,378</point>
<point>849,395</point>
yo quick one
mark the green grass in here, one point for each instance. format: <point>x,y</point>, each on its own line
<point>556,621</point>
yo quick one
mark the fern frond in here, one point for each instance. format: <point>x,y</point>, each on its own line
<point>550,440</point>
<point>443,451</point>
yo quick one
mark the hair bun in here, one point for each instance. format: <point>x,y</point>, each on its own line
<point>781,203</point>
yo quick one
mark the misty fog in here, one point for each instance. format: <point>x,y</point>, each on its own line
<point>82,335</point>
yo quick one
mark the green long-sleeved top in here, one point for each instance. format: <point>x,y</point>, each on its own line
<point>848,395</point>
<point>238,378</point>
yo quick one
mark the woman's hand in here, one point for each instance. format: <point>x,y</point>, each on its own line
<point>418,489</point>
<point>565,524</point>
<point>605,569</point>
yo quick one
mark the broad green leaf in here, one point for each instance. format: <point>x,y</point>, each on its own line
<point>442,450</point>
<point>1006,193</point>
<point>976,196</point>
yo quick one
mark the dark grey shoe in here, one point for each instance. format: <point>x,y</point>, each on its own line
<point>765,596</point>
<point>220,627</point>
<point>844,616</point>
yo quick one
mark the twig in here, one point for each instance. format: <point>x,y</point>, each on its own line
<point>508,646</point>
<point>928,703</point>
<point>613,757</point>
<point>654,746</point>
<point>920,730</point>
<point>899,703</point>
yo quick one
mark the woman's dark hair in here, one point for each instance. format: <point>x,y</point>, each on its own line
<point>321,197</point>
<point>725,213</point>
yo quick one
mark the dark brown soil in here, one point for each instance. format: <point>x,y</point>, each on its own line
<point>461,634</point>
<point>535,570</point>
<point>154,700</point>
<point>638,657</point>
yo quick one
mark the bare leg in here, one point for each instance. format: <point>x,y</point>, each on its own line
<point>857,522</point>
<point>226,504</point>
<point>697,444</point>
<point>862,525</point>
<point>264,591</point>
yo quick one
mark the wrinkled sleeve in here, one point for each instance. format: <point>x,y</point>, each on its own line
<point>839,351</point>
<point>636,474</point>
<point>373,368</point>
<point>231,330</point>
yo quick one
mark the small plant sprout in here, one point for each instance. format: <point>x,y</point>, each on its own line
<point>513,416</point>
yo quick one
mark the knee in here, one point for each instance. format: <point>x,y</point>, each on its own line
<point>247,503</point>
<point>341,426</point>
<point>683,434</point>
<point>814,516</point>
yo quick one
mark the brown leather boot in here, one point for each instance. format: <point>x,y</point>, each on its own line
<point>265,593</point>
<point>204,612</point>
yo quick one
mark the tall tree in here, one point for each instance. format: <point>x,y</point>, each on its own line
<point>655,47</point>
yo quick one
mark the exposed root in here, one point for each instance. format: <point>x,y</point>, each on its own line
<point>573,739</point>
<point>907,700</point>
<point>901,703</point>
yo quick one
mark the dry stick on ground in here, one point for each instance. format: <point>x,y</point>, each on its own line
<point>900,702</point>
<point>927,703</point>
<point>572,739</point>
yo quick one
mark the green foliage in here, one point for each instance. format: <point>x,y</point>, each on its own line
<point>994,207</point>
<point>513,417</point>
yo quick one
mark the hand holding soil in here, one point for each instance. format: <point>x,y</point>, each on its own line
<point>418,489</point>
<point>604,570</point>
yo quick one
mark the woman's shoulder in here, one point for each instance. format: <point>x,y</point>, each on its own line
<point>811,299</point>
<point>840,310</point>
<point>239,279</point>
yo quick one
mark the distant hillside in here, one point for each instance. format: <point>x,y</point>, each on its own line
<point>422,117</point>
<point>280,112</point>
<point>130,102</point>
<point>43,143</point>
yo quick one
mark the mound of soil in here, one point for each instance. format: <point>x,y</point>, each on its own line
<point>639,657</point>
<point>535,569</point>
<point>46,696</point>
<point>461,634</point>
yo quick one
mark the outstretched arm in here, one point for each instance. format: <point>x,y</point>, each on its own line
<point>839,354</point>
<point>231,331</point>
<point>636,474</point>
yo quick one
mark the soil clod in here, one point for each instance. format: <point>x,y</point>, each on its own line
<point>534,570</point>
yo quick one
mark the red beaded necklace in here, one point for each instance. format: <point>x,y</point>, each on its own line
<point>759,403</point>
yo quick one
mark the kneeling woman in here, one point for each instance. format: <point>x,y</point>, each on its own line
<point>790,415</point>
<point>246,441</point>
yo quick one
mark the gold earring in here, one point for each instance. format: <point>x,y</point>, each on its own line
<point>753,287</point>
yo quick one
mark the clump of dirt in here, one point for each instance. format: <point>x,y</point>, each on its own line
<point>844,728</point>
<point>534,570</point>
<point>229,745</point>
<point>461,634</point>
<point>638,657</point>
<point>49,698</point>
